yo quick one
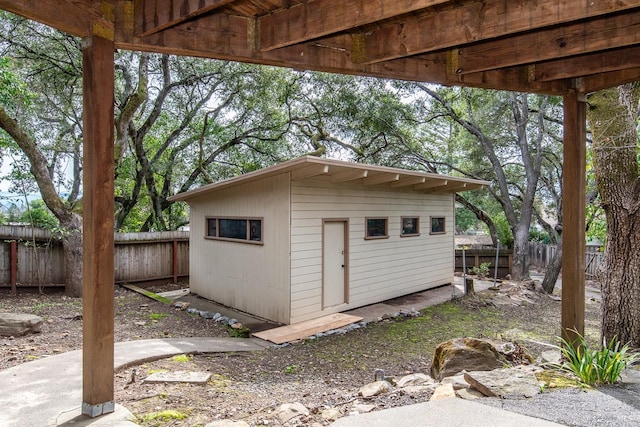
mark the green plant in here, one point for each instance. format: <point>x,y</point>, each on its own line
<point>166,415</point>
<point>291,369</point>
<point>181,358</point>
<point>480,271</point>
<point>157,316</point>
<point>596,367</point>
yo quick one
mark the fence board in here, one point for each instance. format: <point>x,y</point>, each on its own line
<point>541,255</point>
<point>139,257</point>
<point>475,257</point>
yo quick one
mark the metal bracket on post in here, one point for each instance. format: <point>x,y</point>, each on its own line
<point>99,409</point>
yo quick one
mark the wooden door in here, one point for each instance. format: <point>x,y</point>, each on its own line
<point>334,264</point>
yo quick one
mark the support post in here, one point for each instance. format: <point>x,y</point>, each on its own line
<point>98,222</point>
<point>14,266</point>
<point>175,261</point>
<point>573,216</point>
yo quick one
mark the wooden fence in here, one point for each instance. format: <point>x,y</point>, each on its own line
<point>31,257</point>
<point>541,254</point>
<point>475,257</point>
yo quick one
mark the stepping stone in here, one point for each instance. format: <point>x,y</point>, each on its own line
<point>179,377</point>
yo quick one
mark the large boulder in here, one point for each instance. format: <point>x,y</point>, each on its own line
<point>460,354</point>
<point>508,383</point>
<point>18,324</point>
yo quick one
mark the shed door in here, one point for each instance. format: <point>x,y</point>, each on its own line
<point>334,257</point>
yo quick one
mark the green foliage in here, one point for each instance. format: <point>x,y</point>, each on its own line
<point>166,415</point>
<point>596,367</point>
<point>465,220</point>
<point>13,90</point>
<point>291,369</point>
<point>38,215</point>
<point>536,235</point>
<point>181,358</point>
<point>504,231</point>
<point>481,271</point>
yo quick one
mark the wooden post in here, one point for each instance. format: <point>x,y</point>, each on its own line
<point>98,222</point>
<point>573,216</point>
<point>175,261</point>
<point>14,266</point>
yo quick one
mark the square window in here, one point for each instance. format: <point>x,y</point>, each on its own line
<point>410,226</point>
<point>376,228</point>
<point>437,225</point>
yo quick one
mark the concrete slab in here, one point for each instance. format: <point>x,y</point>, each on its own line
<point>442,413</point>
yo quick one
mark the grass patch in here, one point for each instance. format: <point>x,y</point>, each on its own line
<point>163,416</point>
<point>181,358</point>
<point>157,316</point>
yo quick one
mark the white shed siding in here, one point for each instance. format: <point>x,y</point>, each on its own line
<point>378,269</point>
<point>249,277</point>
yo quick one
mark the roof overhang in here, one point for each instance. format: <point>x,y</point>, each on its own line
<point>337,171</point>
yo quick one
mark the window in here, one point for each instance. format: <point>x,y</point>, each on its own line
<point>376,228</point>
<point>410,226</point>
<point>437,225</point>
<point>242,229</point>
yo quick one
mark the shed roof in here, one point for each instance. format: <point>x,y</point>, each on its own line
<point>339,171</point>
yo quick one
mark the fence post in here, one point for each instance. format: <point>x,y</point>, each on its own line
<point>14,266</point>
<point>175,261</point>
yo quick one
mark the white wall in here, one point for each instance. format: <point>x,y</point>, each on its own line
<point>251,278</point>
<point>378,269</point>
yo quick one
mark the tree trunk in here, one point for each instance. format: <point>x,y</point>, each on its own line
<point>553,269</point>
<point>520,264</point>
<point>612,118</point>
<point>72,247</point>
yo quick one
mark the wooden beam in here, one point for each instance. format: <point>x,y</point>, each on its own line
<point>350,175</point>
<point>598,34</point>
<point>153,16</point>
<point>69,16</point>
<point>476,21</point>
<point>98,222</point>
<point>382,178</point>
<point>431,184</point>
<point>309,172</point>
<point>406,181</point>
<point>606,80</point>
<point>573,216</point>
<point>452,188</point>
<point>224,37</point>
<point>593,63</point>
<point>317,18</point>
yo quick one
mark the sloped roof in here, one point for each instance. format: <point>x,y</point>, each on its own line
<point>338,171</point>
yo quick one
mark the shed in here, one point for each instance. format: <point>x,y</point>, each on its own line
<point>314,236</point>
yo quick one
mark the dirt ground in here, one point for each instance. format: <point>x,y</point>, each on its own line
<point>323,374</point>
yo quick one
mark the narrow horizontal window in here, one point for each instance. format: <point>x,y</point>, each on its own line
<point>437,225</point>
<point>377,228</point>
<point>410,226</point>
<point>236,229</point>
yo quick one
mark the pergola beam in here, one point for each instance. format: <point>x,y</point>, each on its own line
<point>599,34</point>
<point>98,222</point>
<point>473,22</point>
<point>318,18</point>
<point>72,17</point>
<point>153,16</point>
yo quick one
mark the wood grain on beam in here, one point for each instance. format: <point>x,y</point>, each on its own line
<point>606,80</point>
<point>477,21</point>
<point>156,15</point>
<point>593,63</point>
<point>573,39</point>
<point>69,16</point>
<point>318,18</point>
<point>224,37</point>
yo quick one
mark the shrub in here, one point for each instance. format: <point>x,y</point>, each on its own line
<point>596,367</point>
<point>481,271</point>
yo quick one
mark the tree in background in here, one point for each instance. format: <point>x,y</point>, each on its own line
<point>613,121</point>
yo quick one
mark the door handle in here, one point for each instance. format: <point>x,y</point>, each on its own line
<point>342,265</point>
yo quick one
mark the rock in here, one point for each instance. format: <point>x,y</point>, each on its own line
<point>237,325</point>
<point>443,391</point>
<point>457,381</point>
<point>330,414</point>
<point>18,324</point>
<point>469,394</point>
<point>362,408</point>
<point>289,411</point>
<point>551,357</point>
<point>454,356</point>
<point>414,379</point>
<point>375,388</point>
<point>179,377</point>
<point>227,423</point>
<point>506,383</point>
<point>419,389</point>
